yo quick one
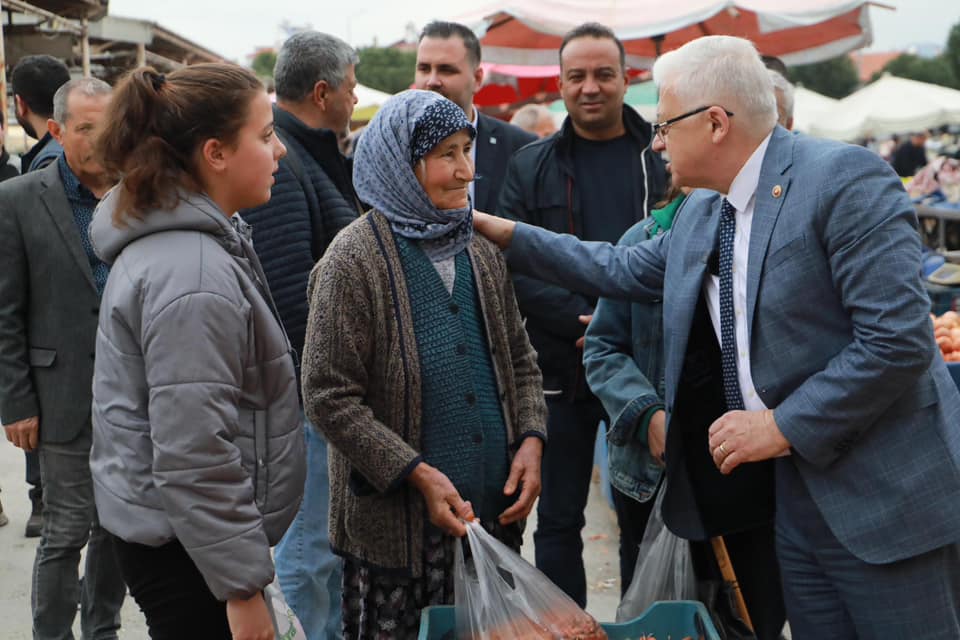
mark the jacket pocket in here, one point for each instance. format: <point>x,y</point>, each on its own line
<point>42,357</point>
<point>783,253</point>
<point>260,469</point>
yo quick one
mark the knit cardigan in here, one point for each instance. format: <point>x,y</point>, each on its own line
<point>361,387</point>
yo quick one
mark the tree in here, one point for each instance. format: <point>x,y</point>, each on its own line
<point>263,63</point>
<point>389,70</point>
<point>836,77</point>
<point>952,52</point>
<point>933,70</point>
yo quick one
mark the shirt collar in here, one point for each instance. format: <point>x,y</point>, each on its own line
<point>71,184</point>
<point>745,184</point>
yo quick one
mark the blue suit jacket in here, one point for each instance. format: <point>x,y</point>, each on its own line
<point>841,345</point>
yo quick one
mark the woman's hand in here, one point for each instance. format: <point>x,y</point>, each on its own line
<point>444,504</point>
<point>249,619</point>
<point>525,472</point>
<point>497,230</point>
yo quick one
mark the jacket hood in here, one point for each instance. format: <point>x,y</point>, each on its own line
<point>193,212</point>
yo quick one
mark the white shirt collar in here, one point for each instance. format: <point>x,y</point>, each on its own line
<point>745,184</point>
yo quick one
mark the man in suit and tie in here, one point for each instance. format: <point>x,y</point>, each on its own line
<point>50,288</point>
<point>448,62</point>
<point>793,303</point>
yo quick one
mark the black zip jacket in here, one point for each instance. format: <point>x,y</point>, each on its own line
<point>540,188</point>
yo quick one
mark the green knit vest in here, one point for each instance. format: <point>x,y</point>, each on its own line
<point>463,431</point>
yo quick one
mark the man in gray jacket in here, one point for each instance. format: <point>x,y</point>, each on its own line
<point>50,287</point>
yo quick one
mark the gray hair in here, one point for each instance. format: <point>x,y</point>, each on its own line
<point>723,71</point>
<point>90,87</point>
<point>784,95</point>
<point>308,57</point>
<point>528,116</point>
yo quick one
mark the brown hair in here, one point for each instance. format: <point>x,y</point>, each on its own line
<point>155,124</point>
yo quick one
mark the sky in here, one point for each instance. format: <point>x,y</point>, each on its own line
<point>235,28</point>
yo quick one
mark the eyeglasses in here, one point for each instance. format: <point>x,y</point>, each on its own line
<point>661,129</point>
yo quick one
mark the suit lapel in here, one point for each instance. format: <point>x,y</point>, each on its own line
<point>485,157</point>
<point>772,190</point>
<point>55,201</point>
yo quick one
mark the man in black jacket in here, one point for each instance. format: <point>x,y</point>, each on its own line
<point>448,62</point>
<point>594,179</point>
<point>311,201</point>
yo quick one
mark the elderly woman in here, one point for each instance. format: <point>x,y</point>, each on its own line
<point>418,370</point>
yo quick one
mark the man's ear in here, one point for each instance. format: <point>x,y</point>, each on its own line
<point>20,105</point>
<point>478,76</point>
<point>212,154</point>
<point>719,123</point>
<point>55,130</point>
<point>321,92</point>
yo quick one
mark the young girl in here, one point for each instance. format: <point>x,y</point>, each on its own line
<point>198,452</point>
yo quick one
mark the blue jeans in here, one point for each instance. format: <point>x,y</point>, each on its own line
<point>309,573</point>
<point>565,479</point>
<point>70,523</point>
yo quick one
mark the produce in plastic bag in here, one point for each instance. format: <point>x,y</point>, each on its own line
<point>501,596</point>
<point>664,568</point>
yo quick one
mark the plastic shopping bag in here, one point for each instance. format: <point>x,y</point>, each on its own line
<point>664,569</point>
<point>501,596</point>
<point>285,623</point>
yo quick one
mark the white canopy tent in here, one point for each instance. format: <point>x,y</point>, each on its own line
<point>809,107</point>
<point>888,106</point>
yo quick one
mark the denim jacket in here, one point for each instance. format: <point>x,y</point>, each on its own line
<point>623,359</point>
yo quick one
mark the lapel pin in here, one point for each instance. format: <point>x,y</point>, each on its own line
<point>777,191</point>
<point>493,140</point>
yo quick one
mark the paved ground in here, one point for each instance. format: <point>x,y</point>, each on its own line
<point>16,560</point>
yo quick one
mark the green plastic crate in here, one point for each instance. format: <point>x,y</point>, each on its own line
<point>664,620</point>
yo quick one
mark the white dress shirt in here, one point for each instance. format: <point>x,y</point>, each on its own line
<point>743,196</point>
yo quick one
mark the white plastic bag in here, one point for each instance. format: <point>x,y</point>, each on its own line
<point>664,568</point>
<point>501,596</point>
<point>286,626</point>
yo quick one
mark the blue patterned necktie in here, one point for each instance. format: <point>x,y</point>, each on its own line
<point>728,337</point>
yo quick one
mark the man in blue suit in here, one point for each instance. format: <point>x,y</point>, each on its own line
<point>793,302</point>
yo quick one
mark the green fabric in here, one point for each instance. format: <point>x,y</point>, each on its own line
<point>464,434</point>
<point>664,216</point>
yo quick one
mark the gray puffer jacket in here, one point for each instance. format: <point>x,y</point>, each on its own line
<point>197,428</point>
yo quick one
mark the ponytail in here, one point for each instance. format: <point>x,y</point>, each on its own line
<point>156,123</point>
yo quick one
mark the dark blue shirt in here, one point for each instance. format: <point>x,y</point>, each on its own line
<point>83,202</point>
<point>606,174</point>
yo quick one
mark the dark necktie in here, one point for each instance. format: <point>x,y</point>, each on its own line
<point>728,337</point>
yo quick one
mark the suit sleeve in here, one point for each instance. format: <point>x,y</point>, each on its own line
<point>194,369</point>
<point>18,399</point>
<point>552,307</point>
<point>870,236</point>
<point>593,268</point>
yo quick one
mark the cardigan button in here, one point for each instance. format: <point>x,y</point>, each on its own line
<point>454,307</point>
<point>477,438</point>
<point>471,399</point>
<point>461,349</point>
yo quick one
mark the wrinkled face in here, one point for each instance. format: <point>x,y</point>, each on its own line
<point>686,141</point>
<point>76,135</point>
<point>251,162</point>
<point>592,83</point>
<point>339,102</point>
<point>444,66</point>
<point>446,172</point>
